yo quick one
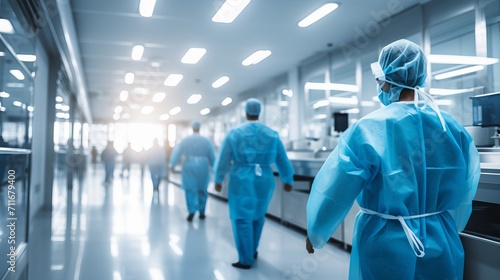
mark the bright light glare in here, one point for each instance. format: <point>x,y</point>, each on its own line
<point>129,78</point>
<point>17,73</point>
<point>123,95</point>
<point>147,110</point>
<point>193,55</point>
<point>173,79</point>
<point>156,274</point>
<point>220,82</point>
<point>59,99</point>
<point>331,86</point>
<point>27,57</point>
<point>137,52</point>
<point>158,97</point>
<point>318,14</point>
<point>146,7</point>
<point>193,99</point>
<point>444,102</point>
<point>230,10</point>
<point>461,59</point>
<point>17,103</point>
<point>175,111</point>
<point>6,26</point>
<point>256,57</point>
<point>226,101</point>
<point>118,109</point>
<point>459,72</point>
<point>4,94</point>
<point>205,111</point>
<point>164,117</point>
<point>287,92</point>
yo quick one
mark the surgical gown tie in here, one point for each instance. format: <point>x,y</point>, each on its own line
<point>413,240</point>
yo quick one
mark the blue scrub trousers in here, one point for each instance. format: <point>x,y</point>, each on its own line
<point>246,238</point>
<point>196,200</point>
<point>109,169</point>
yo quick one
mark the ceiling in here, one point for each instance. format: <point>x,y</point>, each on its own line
<point>107,31</point>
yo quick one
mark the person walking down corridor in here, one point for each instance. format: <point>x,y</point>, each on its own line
<point>155,157</point>
<point>249,150</point>
<point>128,156</point>
<point>199,156</point>
<point>108,157</point>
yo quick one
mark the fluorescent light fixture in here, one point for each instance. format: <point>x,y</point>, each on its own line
<point>116,117</point>
<point>343,100</point>
<point>147,110</point>
<point>256,57</point>
<point>27,57</point>
<point>164,117</point>
<point>59,99</point>
<point>3,109</point>
<point>158,97</point>
<point>14,85</point>
<point>220,82</point>
<point>6,26</point>
<point>443,102</point>
<point>175,111</point>
<point>17,103</point>
<point>205,111</point>
<point>123,95</point>
<point>459,72</point>
<point>193,55</point>
<point>118,109</point>
<point>446,91</point>
<point>318,14</point>
<point>226,101</point>
<point>146,7</point>
<point>31,109</point>
<point>17,73</point>
<point>59,106</point>
<point>331,86</point>
<point>193,99</point>
<point>173,79</point>
<point>129,78</point>
<point>320,117</point>
<point>368,103</point>
<point>351,111</point>
<point>287,92</point>
<point>137,52</point>
<point>4,94</point>
<point>65,108</point>
<point>461,59</point>
<point>321,103</point>
<point>2,53</point>
<point>230,10</point>
<point>60,115</point>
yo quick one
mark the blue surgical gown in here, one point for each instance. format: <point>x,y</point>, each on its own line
<point>398,161</point>
<point>199,156</point>
<point>249,150</point>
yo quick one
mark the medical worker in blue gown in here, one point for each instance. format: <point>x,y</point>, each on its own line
<point>199,157</point>
<point>413,170</point>
<point>248,152</point>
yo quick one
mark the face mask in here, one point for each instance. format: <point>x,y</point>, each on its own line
<point>383,96</point>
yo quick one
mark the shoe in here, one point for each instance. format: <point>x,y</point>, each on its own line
<point>202,216</point>
<point>190,217</point>
<point>242,266</point>
<point>255,255</point>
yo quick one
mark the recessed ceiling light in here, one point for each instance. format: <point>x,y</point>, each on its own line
<point>4,94</point>
<point>158,97</point>
<point>175,111</point>
<point>318,14</point>
<point>6,26</point>
<point>220,82</point>
<point>17,73</point>
<point>193,55</point>
<point>146,7</point>
<point>230,10</point>
<point>193,99</point>
<point>137,52</point>
<point>123,95</point>
<point>205,111</point>
<point>172,80</point>
<point>226,101</point>
<point>129,78</point>
<point>26,57</point>
<point>256,57</point>
<point>118,109</point>
<point>17,103</point>
<point>164,117</point>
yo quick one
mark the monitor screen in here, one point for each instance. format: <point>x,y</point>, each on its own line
<point>340,122</point>
<point>486,109</point>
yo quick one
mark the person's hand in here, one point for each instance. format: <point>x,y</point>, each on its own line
<point>287,187</point>
<point>309,246</point>
<point>218,187</point>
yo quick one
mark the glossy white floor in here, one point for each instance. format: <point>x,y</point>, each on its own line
<point>124,231</point>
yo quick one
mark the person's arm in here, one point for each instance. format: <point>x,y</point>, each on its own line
<point>211,153</point>
<point>176,154</point>
<point>284,167</point>
<point>335,187</point>
<point>462,213</point>
<point>221,165</point>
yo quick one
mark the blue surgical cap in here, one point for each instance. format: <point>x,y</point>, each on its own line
<point>403,62</point>
<point>252,107</point>
<point>195,125</point>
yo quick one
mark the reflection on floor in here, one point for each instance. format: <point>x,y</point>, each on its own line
<point>124,231</point>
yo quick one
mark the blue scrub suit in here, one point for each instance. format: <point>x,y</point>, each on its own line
<point>249,150</point>
<point>398,161</point>
<point>199,156</point>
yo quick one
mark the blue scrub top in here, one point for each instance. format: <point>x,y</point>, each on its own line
<point>398,161</point>
<point>249,150</point>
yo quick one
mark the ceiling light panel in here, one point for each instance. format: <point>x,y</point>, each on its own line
<point>147,7</point>
<point>164,117</point>
<point>26,57</point>
<point>256,57</point>
<point>123,95</point>
<point>137,52</point>
<point>318,14</point>
<point>461,59</point>
<point>173,79</point>
<point>220,82</point>
<point>17,73</point>
<point>193,55</point>
<point>6,26</point>
<point>175,111</point>
<point>193,99</point>
<point>129,78</point>
<point>226,101</point>
<point>205,111</point>
<point>147,110</point>
<point>229,11</point>
<point>459,72</point>
<point>158,97</point>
